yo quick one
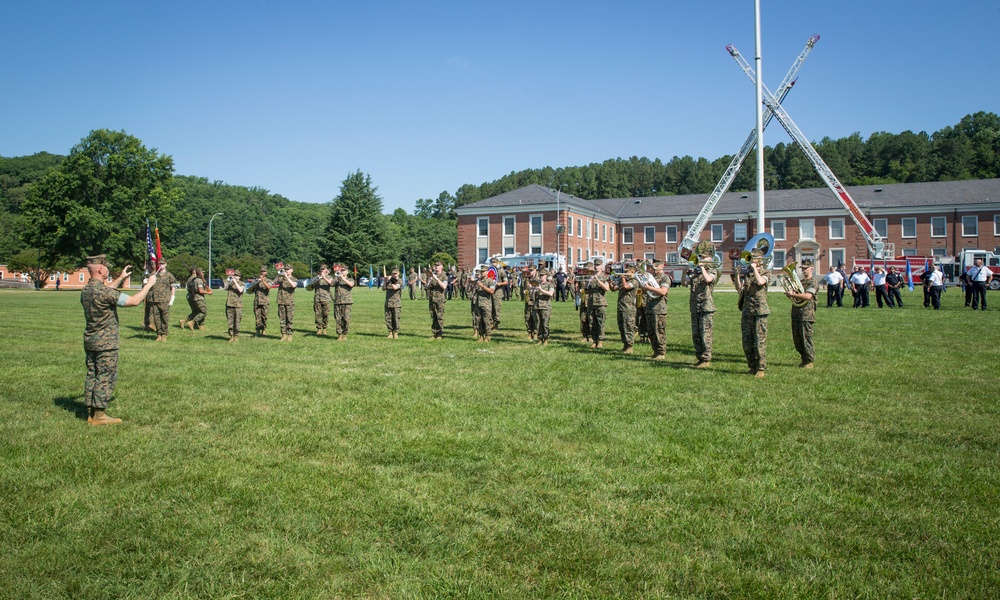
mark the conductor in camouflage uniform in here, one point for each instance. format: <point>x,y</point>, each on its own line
<point>158,300</point>
<point>597,305</point>
<point>234,304</point>
<point>803,317</point>
<point>393,303</point>
<point>437,285</point>
<point>626,287</point>
<point>702,304</point>
<point>321,298</point>
<point>100,338</point>
<point>261,300</point>
<point>753,321</point>
<point>196,292</point>
<point>286,302</point>
<point>656,311</point>
<point>485,290</point>
<point>543,306</point>
<point>342,300</point>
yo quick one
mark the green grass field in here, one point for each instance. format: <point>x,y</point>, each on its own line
<point>410,468</point>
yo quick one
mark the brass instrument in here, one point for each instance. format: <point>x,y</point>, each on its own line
<point>791,283</point>
<point>695,263</point>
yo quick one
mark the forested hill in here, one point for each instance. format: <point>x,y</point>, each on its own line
<point>968,150</point>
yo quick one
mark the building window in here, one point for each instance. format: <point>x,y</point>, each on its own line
<point>939,252</point>
<point>579,228</point>
<point>483,255</point>
<point>508,250</point>
<point>881,227</point>
<point>536,224</point>
<point>909,227</point>
<point>716,232</point>
<point>612,257</point>
<point>777,259</point>
<point>996,225</point>
<point>484,227</point>
<point>778,229</point>
<point>536,249</point>
<point>970,226</point>
<point>909,251</point>
<point>65,276</point>
<point>649,256</point>
<point>81,277</point>
<point>588,229</point>
<point>740,232</point>
<point>508,226</point>
<point>836,229</point>
<point>595,231</point>
<point>939,226</point>
<point>650,235</point>
<point>837,257</point>
<point>627,256</point>
<point>673,258</point>
<point>671,234</point>
<point>626,235</point>
<point>611,232</point>
<point>807,229</point>
<point>579,254</point>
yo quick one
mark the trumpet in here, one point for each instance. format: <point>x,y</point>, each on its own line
<point>695,263</point>
<point>791,283</point>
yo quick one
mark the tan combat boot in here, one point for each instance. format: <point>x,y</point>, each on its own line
<point>182,323</point>
<point>101,418</point>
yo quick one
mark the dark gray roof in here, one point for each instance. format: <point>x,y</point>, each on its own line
<point>885,196</point>
<point>534,194</point>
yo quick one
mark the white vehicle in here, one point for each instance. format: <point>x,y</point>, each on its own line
<point>545,261</point>
<point>968,257</point>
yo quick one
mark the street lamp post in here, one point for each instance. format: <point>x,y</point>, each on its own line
<point>559,225</point>
<point>210,248</point>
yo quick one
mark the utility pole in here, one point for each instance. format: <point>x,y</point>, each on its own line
<point>210,248</point>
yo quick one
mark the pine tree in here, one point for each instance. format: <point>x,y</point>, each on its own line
<point>357,232</point>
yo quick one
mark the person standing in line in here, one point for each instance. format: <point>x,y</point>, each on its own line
<point>753,322</point>
<point>894,281</point>
<point>196,292</point>
<point>342,300</point>
<point>859,286</point>
<point>804,315</point>
<point>529,283</point>
<point>393,303</point>
<point>100,302</point>
<point>234,304</point>
<point>702,304</point>
<point>543,305</point>
<point>656,310</point>
<point>881,288</point>
<point>322,297</point>
<point>501,284</point>
<point>560,280</point>
<point>159,299</point>
<point>261,301</point>
<point>411,283</point>
<point>626,287</point>
<point>286,301</point>
<point>436,286</point>
<point>485,290</point>
<point>834,288</point>
<point>980,276</point>
<point>597,304</point>
<point>936,285</point>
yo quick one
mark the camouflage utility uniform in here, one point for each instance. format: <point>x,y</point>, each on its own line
<point>196,300</point>
<point>100,342</point>
<point>702,306</point>
<point>626,313</point>
<point>342,303</point>
<point>484,308</point>
<point>234,307</point>
<point>286,304</point>
<point>754,322</point>
<point>435,302</point>
<point>597,306</point>
<point>321,302</point>
<point>261,302</point>
<point>543,310</point>
<point>656,317</point>
<point>393,306</point>
<point>158,300</point>
<point>803,319</point>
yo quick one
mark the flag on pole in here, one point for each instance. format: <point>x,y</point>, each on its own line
<point>159,253</point>
<point>370,276</point>
<point>909,274</point>
<point>150,251</point>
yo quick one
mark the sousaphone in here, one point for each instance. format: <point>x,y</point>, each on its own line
<point>763,242</point>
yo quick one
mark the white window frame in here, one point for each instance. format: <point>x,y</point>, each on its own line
<point>604,233</point>
<point>902,227</point>
<point>627,256</point>
<point>909,251</point>
<point>611,232</point>
<point>588,229</point>
<point>944,227</point>
<point>595,231</point>
<point>611,257</point>
<point>996,225</point>
<point>673,258</point>
<point>802,226</point>
<point>536,249</point>
<point>484,255</point>
<point>531,224</point>
<point>784,229</point>
<point>881,227</point>
<point>649,256</point>
<point>508,250</point>
<point>838,255</point>
<point>81,277</point>
<point>671,231</point>
<point>479,227</point>
<point>579,228</point>
<point>975,233</point>
<point>775,263</point>
<point>569,227</point>
<point>843,231</point>
<point>718,232</point>
<point>628,235</point>
<point>939,252</point>
<point>649,235</point>
<point>741,231</point>
<point>513,225</point>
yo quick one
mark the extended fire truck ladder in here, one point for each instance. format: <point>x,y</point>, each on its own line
<point>875,244</point>
<point>694,232</point>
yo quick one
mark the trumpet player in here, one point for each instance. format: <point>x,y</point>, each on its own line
<point>544,292</point>
<point>656,310</point>
<point>234,304</point>
<point>804,316</point>
<point>753,294</point>
<point>286,301</point>
<point>393,303</point>
<point>320,286</point>
<point>702,304</point>
<point>261,289</point>
<point>626,286</point>
<point>484,291</point>
<point>343,283</point>
<point>529,285</point>
<point>597,304</point>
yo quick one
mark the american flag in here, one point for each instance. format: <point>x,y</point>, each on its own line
<point>150,250</point>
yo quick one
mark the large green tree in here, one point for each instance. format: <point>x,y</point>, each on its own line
<point>357,232</point>
<point>98,201</point>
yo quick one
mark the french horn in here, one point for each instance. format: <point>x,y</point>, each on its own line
<point>791,283</point>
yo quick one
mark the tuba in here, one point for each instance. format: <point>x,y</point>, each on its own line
<point>791,283</point>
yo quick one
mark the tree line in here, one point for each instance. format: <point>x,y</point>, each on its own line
<point>54,210</point>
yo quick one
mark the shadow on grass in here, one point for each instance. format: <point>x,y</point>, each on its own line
<point>72,405</point>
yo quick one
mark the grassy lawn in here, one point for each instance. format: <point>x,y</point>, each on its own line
<point>418,469</point>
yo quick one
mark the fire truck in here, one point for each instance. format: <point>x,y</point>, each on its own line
<point>967,258</point>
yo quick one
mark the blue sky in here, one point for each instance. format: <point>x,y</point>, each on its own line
<point>294,96</point>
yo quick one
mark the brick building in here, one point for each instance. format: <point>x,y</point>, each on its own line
<point>67,281</point>
<point>915,219</point>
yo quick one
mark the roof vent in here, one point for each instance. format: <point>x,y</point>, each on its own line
<point>637,201</point>
<point>745,196</point>
<point>878,189</point>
